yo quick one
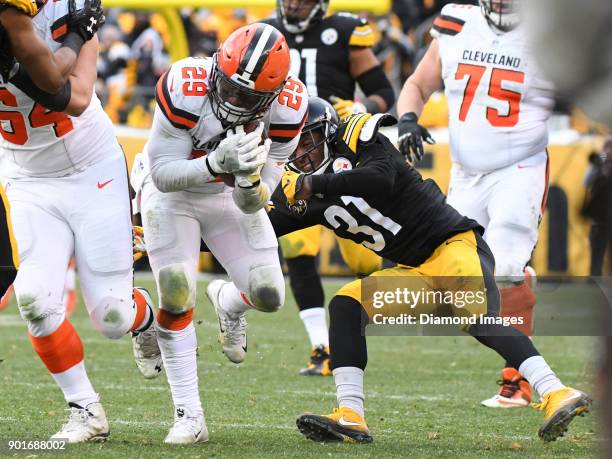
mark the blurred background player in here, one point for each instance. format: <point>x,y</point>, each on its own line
<point>384,203</point>
<point>65,178</point>
<point>197,145</point>
<point>596,204</point>
<point>331,54</point>
<point>498,106</point>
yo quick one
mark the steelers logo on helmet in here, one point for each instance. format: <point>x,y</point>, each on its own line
<point>249,71</point>
<point>297,16</point>
<point>503,15</point>
<point>313,152</point>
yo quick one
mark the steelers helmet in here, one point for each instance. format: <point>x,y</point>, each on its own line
<point>323,118</point>
<point>288,12</point>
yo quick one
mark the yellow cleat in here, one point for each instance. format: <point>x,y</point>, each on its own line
<point>319,363</point>
<point>343,425</point>
<point>560,408</point>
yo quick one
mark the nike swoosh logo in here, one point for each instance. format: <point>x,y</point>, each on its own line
<point>198,434</point>
<point>569,399</point>
<point>342,422</point>
<point>103,184</point>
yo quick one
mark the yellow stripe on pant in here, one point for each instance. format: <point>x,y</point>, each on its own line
<point>454,266</point>
<point>10,255</point>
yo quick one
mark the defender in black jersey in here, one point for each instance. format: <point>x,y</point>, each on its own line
<point>352,180</point>
<point>332,55</point>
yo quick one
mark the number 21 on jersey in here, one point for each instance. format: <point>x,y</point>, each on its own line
<point>473,75</point>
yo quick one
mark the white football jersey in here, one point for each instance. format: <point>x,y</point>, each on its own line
<point>183,104</point>
<point>37,142</point>
<point>498,102</point>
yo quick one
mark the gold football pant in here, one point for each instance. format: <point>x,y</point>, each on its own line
<point>458,278</point>
<point>306,242</point>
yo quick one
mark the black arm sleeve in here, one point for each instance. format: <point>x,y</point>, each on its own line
<point>55,102</point>
<point>375,82</point>
<point>283,221</point>
<point>374,177</point>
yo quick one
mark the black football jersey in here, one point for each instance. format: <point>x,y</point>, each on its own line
<point>320,55</point>
<point>398,215</point>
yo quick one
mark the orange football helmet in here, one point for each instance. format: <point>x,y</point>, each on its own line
<point>249,71</point>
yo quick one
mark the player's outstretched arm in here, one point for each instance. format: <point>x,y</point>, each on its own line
<point>48,71</point>
<point>367,70</point>
<point>83,78</point>
<point>417,89</point>
<point>426,79</point>
<point>44,70</point>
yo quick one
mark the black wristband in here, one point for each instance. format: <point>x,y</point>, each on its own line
<point>73,41</point>
<point>253,185</point>
<point>375,82</point>
<point>210,169</point>
<point>55,102</point>
<point>410,116</point>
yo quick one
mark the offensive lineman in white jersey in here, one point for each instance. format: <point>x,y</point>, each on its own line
<point>66,181</point>
<point>210,180</point>
<point>498,109</point>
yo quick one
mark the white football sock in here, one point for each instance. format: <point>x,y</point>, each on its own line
<point>76,385</point>
<point>70,283</point>
<point>540,375</point>
<point>178,349</point>
<point>232,301</point>
<point>349,388</point>
<point>316,326</point>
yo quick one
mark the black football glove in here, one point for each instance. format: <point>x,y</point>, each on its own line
<point>86,21</point>
<point>7,60</point>
<point>410,137</point>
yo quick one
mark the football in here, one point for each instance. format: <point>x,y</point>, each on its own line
<point>249,127</point>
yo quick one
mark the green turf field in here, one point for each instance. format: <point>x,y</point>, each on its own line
<point>422,395</point>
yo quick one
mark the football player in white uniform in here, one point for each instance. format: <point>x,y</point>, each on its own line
<point>498,105</point>
<point>66,181</point>
<point>209,179</point>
